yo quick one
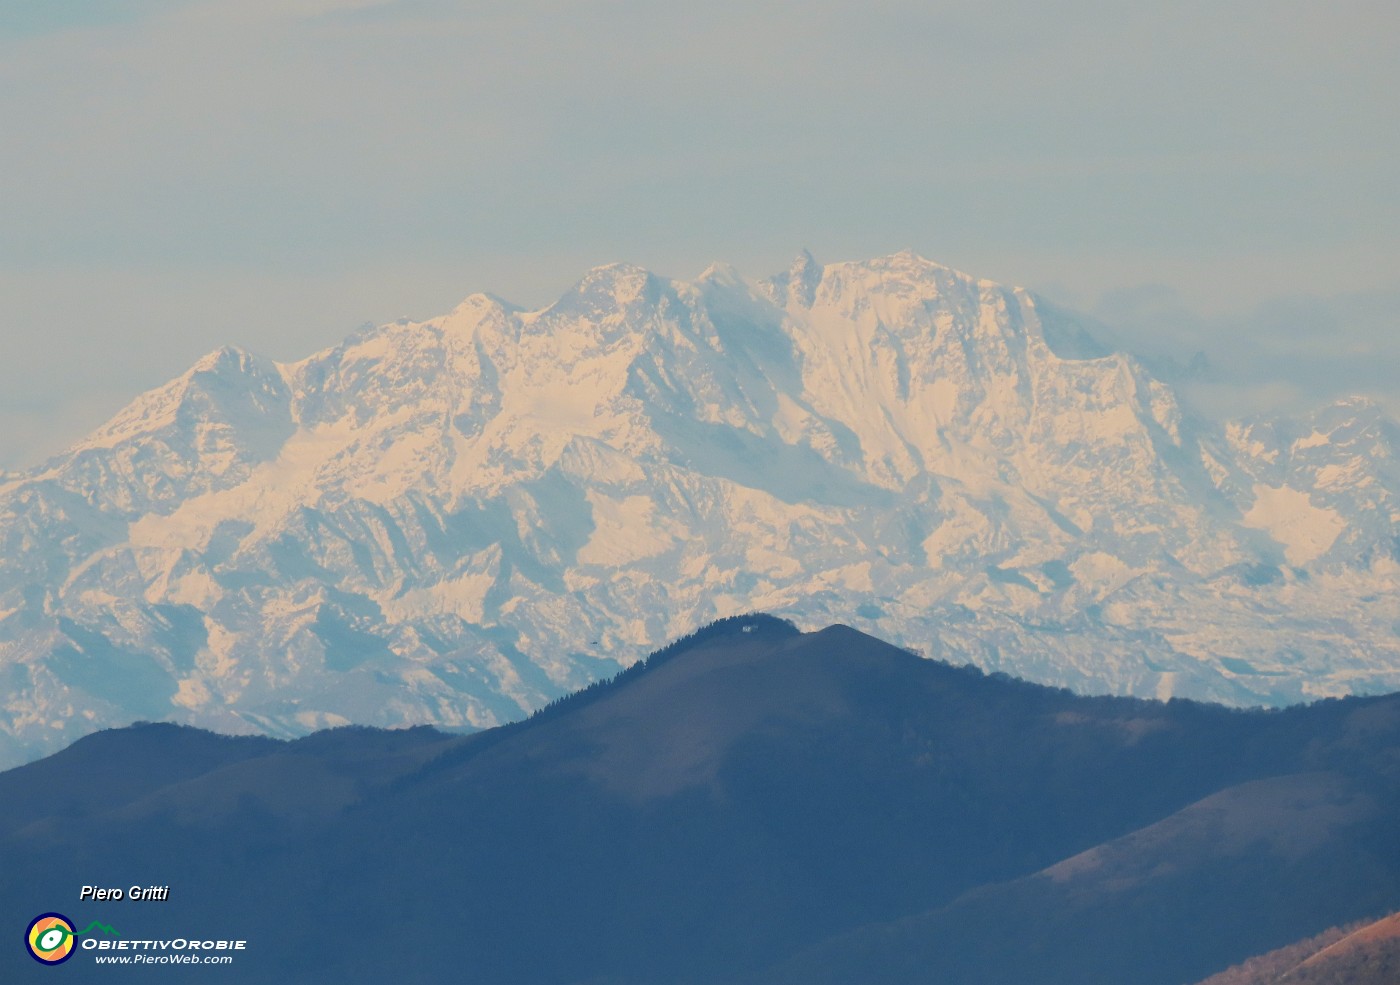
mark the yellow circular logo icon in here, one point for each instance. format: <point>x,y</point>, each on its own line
<point>50,938</point>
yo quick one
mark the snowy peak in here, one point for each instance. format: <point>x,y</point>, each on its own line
<point>455,520</point>
<point>208,429</point>
<point>798,286</point>
<point>228,386</point>
<point>904,276</point>
<point>607,292</point>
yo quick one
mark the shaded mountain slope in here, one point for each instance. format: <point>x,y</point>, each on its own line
<point>741,802</point>
<point>108,769</point>
<point>1212,871</point>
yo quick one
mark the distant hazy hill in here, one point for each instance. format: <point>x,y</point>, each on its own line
<point>1365,953</point>
<point>753,804</point>
<point>455,521</point>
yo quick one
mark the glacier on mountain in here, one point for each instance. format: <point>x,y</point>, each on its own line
<point>453,521</point>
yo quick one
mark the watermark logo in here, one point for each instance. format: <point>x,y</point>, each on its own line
<point>50,938</point>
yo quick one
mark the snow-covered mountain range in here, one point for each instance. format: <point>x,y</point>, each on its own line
<point>454,521</point>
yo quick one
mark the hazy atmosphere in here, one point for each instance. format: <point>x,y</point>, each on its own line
<point>181,175</point>
<point>823,493</point>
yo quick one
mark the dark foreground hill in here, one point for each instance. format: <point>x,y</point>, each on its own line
<point>754,804</point>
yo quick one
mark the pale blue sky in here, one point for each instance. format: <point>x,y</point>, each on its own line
<point>180,174</point>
